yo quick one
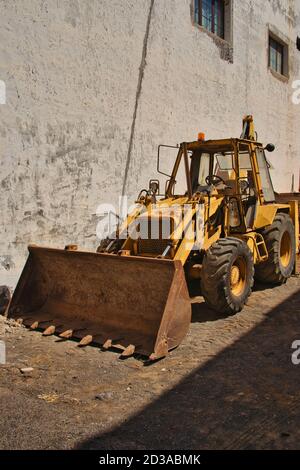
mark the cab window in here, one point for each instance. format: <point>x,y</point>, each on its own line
<point>224,168</point>
<point>266,182</point>
<point>200,169</point>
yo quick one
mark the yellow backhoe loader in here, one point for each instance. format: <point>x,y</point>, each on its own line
<point>221,228</point>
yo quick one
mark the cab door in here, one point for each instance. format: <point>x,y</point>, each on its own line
<point>247,187</point>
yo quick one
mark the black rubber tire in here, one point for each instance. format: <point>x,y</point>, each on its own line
<point>5,297</point>
<point>106,241</point>
<point>216,275</point>
<point>103,245</point>
<point>272,271</point>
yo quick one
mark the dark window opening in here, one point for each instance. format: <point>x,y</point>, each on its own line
<point>298,43</point>
<point>211,15</point>
<point>276,56</point>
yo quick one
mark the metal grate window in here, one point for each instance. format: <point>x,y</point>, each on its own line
<point>211,15</point>
<point>276,56</point>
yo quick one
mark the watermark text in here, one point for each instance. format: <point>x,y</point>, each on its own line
<point>2,92</point>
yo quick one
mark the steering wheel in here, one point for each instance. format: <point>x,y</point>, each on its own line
<point>214,180</point>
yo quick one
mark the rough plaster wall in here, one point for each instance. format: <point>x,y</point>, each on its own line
<point>71,70</point>
<point>93,87</point>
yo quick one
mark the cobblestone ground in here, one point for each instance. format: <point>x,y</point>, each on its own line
<point>231,384</point>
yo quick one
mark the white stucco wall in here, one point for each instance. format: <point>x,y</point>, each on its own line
<point>93,86</point>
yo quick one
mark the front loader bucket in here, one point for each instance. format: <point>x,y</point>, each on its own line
<point>131,303</point>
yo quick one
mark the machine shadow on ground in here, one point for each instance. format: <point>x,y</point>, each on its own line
<point>246,397</point>
<point>201,313</point>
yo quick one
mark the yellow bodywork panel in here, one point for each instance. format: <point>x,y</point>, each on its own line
<point>186,245</point>
<point>265,214</point>
<point>256,243</point>
<point>211,237</point>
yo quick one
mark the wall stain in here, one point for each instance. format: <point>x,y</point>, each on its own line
<point>6,262</point>
<point>138,94</point>
<point>287,11</point>
<point>63,151</point>
<point>73,13</point>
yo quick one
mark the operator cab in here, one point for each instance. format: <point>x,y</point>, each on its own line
<point>228,170</point>
<point>234,169</point>
<point>216,169</point>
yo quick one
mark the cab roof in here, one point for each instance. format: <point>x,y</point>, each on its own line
<point>224,145</point>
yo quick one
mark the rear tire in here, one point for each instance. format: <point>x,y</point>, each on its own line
<point>105,242</point>
<point>227,275</point>
<point>5,297</point>
<point>103,245</point>
<point>280,241</point>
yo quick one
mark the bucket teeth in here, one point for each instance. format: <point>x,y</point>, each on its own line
<point>107,344</point>
<point>113,343</point>
<point>129,351</point>
<point>66,334</point>
<point>86,340</point>
<point>49,331</point>
<point>34,325</point>
<point>19,321</point>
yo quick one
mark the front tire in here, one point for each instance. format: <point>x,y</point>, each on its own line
<point>281,245</point>
<point>227,275</point>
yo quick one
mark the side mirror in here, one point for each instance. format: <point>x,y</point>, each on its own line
<point>270,148</point>
<point>166,161</point>
<point>154,186</point>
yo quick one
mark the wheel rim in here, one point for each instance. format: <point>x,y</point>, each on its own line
<point>238,276</point>
<point>285,249</point>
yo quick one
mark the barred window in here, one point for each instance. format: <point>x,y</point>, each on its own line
<point>211,15</point>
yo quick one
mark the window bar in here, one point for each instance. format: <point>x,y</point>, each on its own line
<point>281,56</point>
<point>200,12</point>
<point>222,19</point>
<point>213,16</point>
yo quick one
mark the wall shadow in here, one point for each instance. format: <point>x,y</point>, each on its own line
<point>244,398</point>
